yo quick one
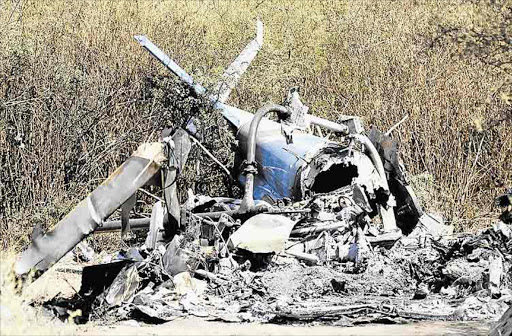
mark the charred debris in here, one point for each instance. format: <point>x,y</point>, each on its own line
<point>328,229</point>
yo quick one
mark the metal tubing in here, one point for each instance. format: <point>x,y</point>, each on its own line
<point>330,125</point>
<point>311,258</point>
<point>135,224</point>
<point>216,214</point>
<point>248,200</point>
<point>319,228</point>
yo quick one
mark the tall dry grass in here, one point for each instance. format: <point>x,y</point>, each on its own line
<point>78,94</point>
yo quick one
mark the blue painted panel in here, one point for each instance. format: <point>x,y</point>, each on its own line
<point>278,162</point>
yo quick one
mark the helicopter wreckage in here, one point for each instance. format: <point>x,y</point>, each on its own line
<point>328,229</point>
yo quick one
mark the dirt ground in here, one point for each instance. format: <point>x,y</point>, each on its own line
<point>196,326</point>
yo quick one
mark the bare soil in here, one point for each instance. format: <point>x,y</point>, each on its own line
<point>196,326</point>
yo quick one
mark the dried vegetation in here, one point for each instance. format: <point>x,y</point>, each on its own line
<point>77,94</point>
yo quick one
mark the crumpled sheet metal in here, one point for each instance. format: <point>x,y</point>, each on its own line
<point>174,260</point>
<point>263,233</point>
<point>124,286</point>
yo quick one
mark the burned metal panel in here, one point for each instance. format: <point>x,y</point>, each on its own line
<point>408,210</point>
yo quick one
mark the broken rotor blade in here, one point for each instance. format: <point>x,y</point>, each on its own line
<point>233,115</point>
<point>231,75</point>
<point>230,78</point>
<point>235,70</point>
<point>169,63</point>
<point>47,249</point>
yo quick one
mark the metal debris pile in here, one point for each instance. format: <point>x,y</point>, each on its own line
<point>301,266</point>
<point>328,229</point>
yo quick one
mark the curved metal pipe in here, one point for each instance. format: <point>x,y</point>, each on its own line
<point>250,166</point>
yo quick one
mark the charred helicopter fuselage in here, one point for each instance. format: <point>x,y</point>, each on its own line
<point>280,160</point>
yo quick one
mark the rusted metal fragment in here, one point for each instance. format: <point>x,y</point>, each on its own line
<point>48,248</point>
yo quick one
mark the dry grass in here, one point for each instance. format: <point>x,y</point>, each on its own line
<point>78,94</point>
